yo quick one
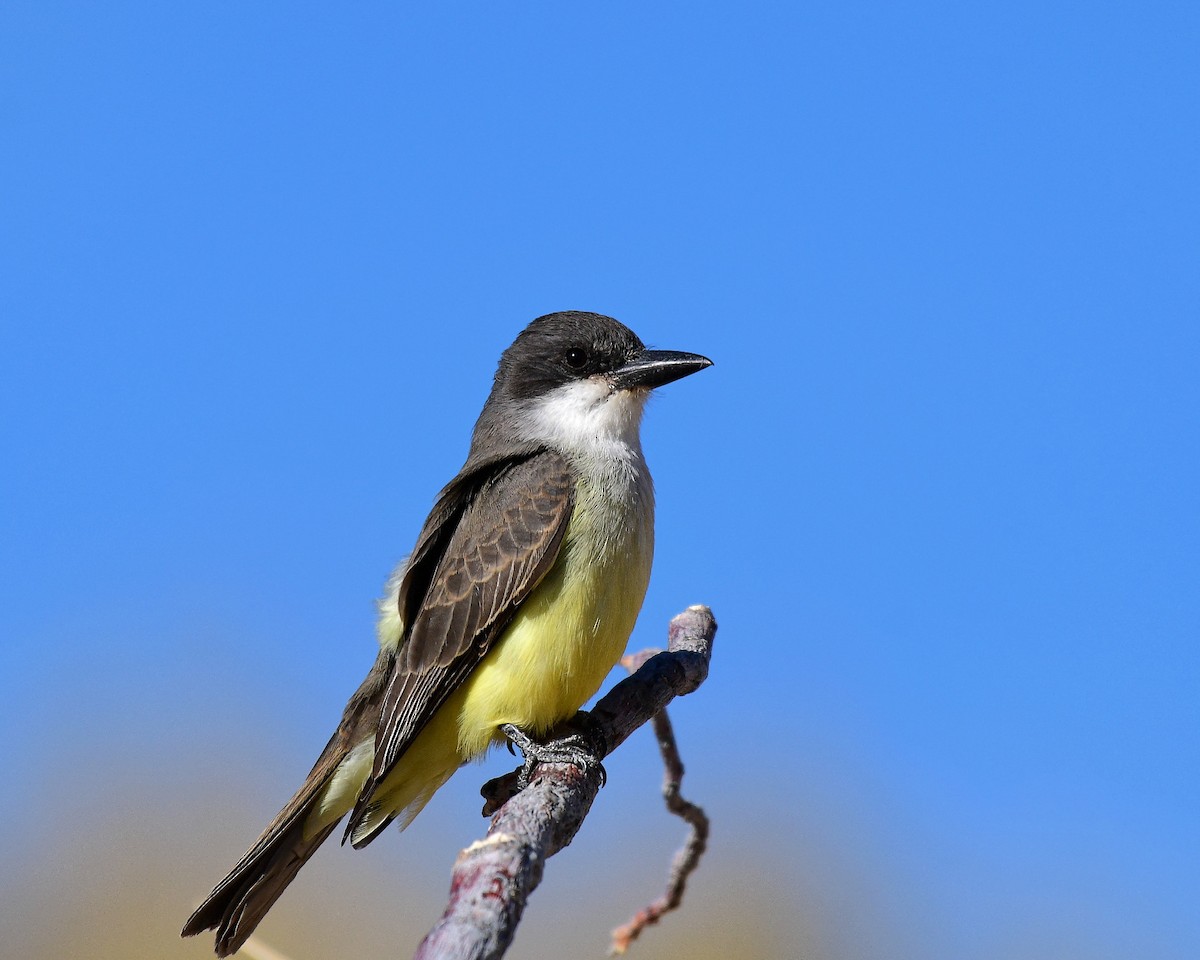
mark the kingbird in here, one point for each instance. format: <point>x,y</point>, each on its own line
<point>517,600</point>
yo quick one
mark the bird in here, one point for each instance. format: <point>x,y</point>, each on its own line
<point>517,599</point>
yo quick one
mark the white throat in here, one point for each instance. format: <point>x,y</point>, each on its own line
<point>588,421</point>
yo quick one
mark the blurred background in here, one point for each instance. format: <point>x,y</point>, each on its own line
<point>940,487</point>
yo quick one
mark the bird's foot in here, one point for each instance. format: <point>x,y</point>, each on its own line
<point>582,745</point>
<point>498,791</point>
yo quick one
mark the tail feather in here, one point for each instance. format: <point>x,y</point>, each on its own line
<point>240,901</point>
<point>238,905</point>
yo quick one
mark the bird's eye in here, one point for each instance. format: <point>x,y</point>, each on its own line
<point>576,358</point>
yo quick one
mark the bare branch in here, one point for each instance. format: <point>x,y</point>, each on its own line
<point>493,878</point>
<point>688,856</point>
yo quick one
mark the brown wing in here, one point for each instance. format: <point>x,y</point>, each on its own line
<point>507,537</point>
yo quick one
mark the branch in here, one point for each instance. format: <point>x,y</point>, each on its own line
<point>493,878</point>
<point>688,857</point>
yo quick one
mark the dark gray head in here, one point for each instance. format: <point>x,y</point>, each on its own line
<point>573,345</point>
<point>573,375</point>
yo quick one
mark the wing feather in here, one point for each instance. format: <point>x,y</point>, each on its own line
<point>506,538</point>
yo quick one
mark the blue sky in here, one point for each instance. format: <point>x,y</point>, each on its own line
<point>940,487</point>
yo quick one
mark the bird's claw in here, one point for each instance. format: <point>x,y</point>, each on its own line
<point>582,748</point>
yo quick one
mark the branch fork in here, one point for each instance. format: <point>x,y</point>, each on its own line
<point>493,877</point>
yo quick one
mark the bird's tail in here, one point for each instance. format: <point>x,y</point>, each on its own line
<point>242,899</point>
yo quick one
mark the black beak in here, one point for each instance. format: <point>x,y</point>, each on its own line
<point>654,368</point>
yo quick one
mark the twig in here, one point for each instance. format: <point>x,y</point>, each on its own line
<point>687,858</point>
<point>493,878</point>
<point>255,949</point>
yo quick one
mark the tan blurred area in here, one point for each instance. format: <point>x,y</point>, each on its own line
<point>118,882</point>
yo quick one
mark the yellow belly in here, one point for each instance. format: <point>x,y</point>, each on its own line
<point>566,637</point>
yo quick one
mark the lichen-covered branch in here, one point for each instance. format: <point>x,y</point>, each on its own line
<point>493,878</point>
